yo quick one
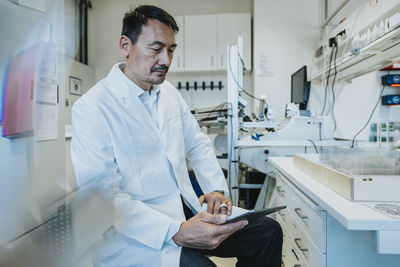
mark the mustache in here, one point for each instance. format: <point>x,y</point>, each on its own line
<point>165,68</point>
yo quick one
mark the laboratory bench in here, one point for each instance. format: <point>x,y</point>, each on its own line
<point>323,229</point>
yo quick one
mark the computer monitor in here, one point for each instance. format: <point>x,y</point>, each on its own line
<point>300,89</point>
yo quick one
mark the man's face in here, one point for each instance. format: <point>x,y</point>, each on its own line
<point>148,60</point>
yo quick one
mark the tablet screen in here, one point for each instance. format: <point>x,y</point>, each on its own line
<point>254,215</point>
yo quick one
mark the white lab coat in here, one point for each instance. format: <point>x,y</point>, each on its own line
<point>116,144</point>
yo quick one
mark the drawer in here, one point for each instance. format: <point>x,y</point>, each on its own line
<point>312,220</point>
<point>293,256</point>
<point>303,243</point>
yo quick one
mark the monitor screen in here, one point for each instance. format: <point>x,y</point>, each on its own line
<point>300,88</point>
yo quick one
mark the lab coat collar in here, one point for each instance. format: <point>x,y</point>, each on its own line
<point>126,88</point>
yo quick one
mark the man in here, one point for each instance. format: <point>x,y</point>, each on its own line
<point>131,134</point>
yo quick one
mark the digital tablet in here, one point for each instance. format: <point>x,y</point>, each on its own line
<point>252,216</point>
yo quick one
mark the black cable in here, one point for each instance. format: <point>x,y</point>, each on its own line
<point>237,83</point>
<point>333,90</point>
<point>315,147</point>
<point>370,117</point>
<point>219,107</point>
<point>327,82</point>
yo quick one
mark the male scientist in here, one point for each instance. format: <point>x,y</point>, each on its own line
<point>131,134</point>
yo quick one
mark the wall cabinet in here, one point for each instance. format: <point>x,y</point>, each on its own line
<point>200,42</point>
<point>203,39</point>
<point>177,62</point>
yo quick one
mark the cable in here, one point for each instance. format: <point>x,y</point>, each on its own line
<point>333,90</point>
<point>237,83</point>
<point>215,109</point>
<point>327,82</point>
<point>370,117</point>
<point>315,147</point>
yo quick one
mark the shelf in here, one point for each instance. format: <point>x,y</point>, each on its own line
<point>291,143</point>
<point>380,53</point>
<point>258,125</point>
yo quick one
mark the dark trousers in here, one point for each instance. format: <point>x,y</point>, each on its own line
<point>257,244</point>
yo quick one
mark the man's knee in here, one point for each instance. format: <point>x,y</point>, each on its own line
<point>273,228</point>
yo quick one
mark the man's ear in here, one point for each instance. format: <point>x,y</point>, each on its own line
<point>124,45</point>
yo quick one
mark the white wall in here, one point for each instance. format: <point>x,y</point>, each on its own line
<point>285,34</point>
<point>86,74</point>
<point>81,71</point>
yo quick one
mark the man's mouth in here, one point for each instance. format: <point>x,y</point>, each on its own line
<point>160,69</point>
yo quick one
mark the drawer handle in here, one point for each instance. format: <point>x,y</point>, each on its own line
<point>297,242</point>
<point>297,265</point>
<point>279,189</point>
<point>297,210</point>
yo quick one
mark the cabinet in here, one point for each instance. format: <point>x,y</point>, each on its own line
<point>200,42</point>
<point>203,39</point>
<point>230,26</point>
<point>323,229</point>
<point>303,225</point>
<point>178,60</point>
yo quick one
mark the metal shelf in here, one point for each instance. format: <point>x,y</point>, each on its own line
<point>258,125</point>
<point>291,143</point>
<point>380,53</point>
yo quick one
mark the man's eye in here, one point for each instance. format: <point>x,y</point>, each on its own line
<point>171,51</point>
<point>156,49</point>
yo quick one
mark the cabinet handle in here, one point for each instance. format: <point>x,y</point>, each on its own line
<point>212,60</point>
<point>297,265</point>
<point>222,60</point>
<point>279,189</point>
<point>179,61</point>
<point>297,242</point>
<point>297,210</point>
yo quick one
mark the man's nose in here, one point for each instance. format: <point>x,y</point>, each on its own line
<point>165,58</point>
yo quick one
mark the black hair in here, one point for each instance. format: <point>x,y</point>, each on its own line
<point>135,18</point>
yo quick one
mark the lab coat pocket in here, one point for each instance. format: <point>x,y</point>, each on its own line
<point>110,248</point>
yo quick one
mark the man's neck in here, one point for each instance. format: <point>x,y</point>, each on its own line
<point>142,85</point>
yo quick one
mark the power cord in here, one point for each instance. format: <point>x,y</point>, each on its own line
<point>237,83</point>
<point>370,117</point>
<point>315,147</point>
<point>327,82</point>
<point>333,90</point>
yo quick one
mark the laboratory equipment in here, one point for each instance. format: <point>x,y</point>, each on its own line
<point>391,80</point>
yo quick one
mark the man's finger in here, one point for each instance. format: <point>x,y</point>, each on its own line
<point>229,203</point>
<point>230,227</point>
<point>213,218</point>
<point>217,203</point>
<point>210,206</point>
<point>201,200</point>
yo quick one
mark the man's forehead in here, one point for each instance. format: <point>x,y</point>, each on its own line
<point>156,30</point>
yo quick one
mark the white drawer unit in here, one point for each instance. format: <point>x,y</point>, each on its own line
<point>323,229</point>
<point>304,239</point>
<point>307,214</point>
<point>291,255</point>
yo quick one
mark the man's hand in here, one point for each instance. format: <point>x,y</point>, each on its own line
<point>214,201</point>
<point>203,231</point>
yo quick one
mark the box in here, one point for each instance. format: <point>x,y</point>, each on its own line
<point>352,187</point>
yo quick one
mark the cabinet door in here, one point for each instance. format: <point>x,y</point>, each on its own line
<point>200,42</point>
<point>178,60</point>
<point>230,26</point>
